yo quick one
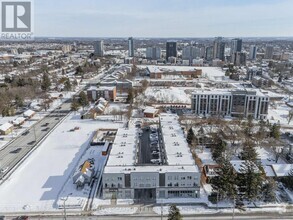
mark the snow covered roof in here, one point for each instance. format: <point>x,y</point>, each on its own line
<point>164,69</point>
<point>238,165</point>
<point>160,169</point>
<point>230,92</point>
<point>269,171</point>
<point>177,150</point>
<point>5,126</point>
<point>123,148</point>
<point>282,169</point>
<point>28,113</point>
<point>18,120</point>
<point>150,110</point>
<point>92,88</point>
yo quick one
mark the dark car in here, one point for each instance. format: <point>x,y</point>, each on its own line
<point>45,125</point>
<point>46,129</point>
<point>15,151</point>
<point>25,133</point>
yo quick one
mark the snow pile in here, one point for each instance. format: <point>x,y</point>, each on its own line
<point>185,210</point>
<point>117,211</point>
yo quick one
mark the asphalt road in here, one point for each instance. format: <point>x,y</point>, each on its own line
<point>145,151</point>
<point>23,144</point>
<point>259,216</point>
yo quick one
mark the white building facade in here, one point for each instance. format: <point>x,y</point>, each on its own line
<point>235,103</point>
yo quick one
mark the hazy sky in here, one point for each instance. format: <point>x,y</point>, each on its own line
<point>163,18</point>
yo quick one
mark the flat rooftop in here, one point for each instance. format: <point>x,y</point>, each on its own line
<point>230,92</point>
<point>122,158</point>
<point>176,146</point>
<point>124,148</point>
<point>151,169</point>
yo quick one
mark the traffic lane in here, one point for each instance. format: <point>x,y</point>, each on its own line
<point>27,142</point>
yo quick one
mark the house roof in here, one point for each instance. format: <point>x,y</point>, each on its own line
<point>28,113</point>
<point>6,126</point>
<point>150,111</point>
<point>85,167</point>
<point>18,120</point>
<point>282,169</point>
<point>238,165</point>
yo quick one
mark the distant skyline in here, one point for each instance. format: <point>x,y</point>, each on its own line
<point>163,18</point>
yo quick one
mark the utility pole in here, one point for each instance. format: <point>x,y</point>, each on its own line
<point>64,205</point>
<point>35,135</point>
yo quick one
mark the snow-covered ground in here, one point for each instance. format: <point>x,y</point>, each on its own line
<point>38,116</point>
<point>78,197</point>
<point>167,95</point>
<point>279,113</point>
<point>268,157</point>
<point>37,183</point>
<point>192,210</point>
<point>116,211</point>
<point>185,210</point>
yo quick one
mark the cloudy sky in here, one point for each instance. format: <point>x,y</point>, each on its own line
<point>163,18</point>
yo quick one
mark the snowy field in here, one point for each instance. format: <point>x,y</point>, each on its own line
<point>167,95</point>
<point>37,183</point>
<point>279,113</point>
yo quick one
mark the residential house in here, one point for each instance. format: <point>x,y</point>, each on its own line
<point>6,128</point>
<point>85,174</point>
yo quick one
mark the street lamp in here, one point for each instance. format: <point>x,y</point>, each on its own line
<point>64,207</point>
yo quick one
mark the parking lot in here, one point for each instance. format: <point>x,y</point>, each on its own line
<point>151,152</point>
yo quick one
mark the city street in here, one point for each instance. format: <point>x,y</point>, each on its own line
<point>13,153</point>
<point>287,216</point>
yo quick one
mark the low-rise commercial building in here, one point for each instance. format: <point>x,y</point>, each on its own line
<point>159,72</point>
<point>106,92</point>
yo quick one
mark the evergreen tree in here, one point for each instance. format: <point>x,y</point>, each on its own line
<point>67,85</point>
<point>83,100</point>
<point>218,150</point>
<point>249,126</point>
<point>75,106</point>
<point>46,82</point>
<point>268,191</point>
<point>225,183</point>
<point>288,180</point>
<point>130,96</point>
<point>190,136</point>
<point>78,70</point>
<point>249,181</point>
<point>275,131</point>
<point>261,133</point>
<point>174,213</point>
<point>18,101</point>
<point>249,152</point>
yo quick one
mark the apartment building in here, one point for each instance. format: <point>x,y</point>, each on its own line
<point>123,178</point>
<point>235,103</point>
<point>106,92</point>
